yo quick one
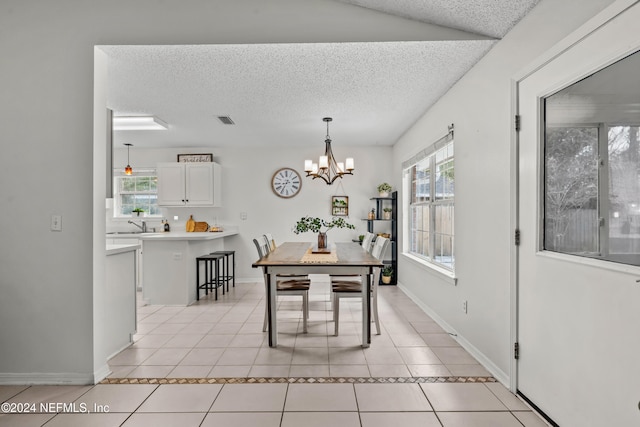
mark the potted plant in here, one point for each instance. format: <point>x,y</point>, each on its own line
<point>316,225</point>
<point>138,211</point>
<point>387,213</point>
<point>387,272</point>
<point>384,189</point>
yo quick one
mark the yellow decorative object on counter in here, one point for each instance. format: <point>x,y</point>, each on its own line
<point>215,228</point>
<point>191,224</point>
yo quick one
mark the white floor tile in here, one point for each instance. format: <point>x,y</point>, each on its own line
<point>181,398</point>
<point>404,419</point>
<point>321,397</point>
<point>87,420</point>
<point>462,397</point>
<point>478,419</point>
<point>242,419</point>
<point>118,397</point>
<point>320,419</point>
<point>251,398</point>
<point>165,420</point>
<point>391,398</point>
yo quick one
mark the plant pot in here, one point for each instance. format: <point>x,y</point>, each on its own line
<point>384,194</point>
<point>386,215</point>
<point>322,240</point>
<point>386,279</point>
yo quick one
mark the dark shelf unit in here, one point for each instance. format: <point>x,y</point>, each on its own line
<point>382,202</point>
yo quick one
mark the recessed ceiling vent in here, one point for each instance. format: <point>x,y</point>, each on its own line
<point>226,120</point>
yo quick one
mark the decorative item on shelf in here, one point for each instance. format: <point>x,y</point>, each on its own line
<point>327,168</point>
<point>138,212</point>
<point>387,272</point>
<point>372,214</point>
<point>315,225</point>
<point>386,213</point>
<point>384,189</point>
<point>191,224</point>
<point>339,205</point>
<point>128,170</point>
<point>166,226</point>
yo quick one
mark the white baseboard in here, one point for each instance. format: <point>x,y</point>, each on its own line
<point>41,378</point>
<point>497,373</point>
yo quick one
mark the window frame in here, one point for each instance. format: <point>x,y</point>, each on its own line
<point>117,194</point>
<point>431,155</point>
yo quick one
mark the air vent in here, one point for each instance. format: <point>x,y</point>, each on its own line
<point>226,120</point>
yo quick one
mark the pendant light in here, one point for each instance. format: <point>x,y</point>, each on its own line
<point>128,170</point>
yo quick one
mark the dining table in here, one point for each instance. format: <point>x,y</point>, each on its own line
<point>302,258</point>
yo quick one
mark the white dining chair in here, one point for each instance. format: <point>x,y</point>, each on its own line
<point>352,287</point>
<point>284,286</point>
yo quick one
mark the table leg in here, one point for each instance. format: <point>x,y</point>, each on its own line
<point>272,323</point>
<point>366,312</point>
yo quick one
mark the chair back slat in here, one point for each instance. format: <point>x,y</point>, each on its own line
<point>270,241</point>
<point>261,246</point>
<point>367,241</point>
<point>380,247</point>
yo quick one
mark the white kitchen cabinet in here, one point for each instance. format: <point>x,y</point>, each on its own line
<point>189,184</point>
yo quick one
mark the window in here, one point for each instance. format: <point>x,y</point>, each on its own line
<point>431,206</point>
<point>592,167</point>
<point>137,191</point>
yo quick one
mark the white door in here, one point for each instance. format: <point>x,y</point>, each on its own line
<point>171,184</point>
<point>199,184</point>
<point>578,317</point>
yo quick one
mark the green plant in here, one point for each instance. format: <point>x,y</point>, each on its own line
<point>387,209</point>
<point>138,210</point>
<point>387,271</point>
<point>361,237</point>
<point>315,225</point>
<point>384,188</point>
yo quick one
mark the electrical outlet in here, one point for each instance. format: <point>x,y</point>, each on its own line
<point>464,306</point>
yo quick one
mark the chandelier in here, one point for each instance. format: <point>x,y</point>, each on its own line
<point>327,168</point>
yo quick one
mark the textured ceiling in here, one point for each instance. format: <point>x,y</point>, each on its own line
<point>277,94</point>
<point>491,18</point>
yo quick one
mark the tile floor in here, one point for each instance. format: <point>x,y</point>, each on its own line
<point>200,366</point>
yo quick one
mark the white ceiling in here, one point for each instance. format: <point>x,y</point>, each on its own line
<point>277,94</point>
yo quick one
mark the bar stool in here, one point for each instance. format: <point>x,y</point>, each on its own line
<point>226,277</point>
<point>213,265</point>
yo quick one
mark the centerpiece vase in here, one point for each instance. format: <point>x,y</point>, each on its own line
<point>322,240</point>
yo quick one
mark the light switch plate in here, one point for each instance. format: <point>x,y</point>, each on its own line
<point>56,222</point>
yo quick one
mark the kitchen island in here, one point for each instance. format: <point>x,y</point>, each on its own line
<point>169,266</point>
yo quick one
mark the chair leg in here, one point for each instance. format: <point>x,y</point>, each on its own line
<point>336,313</point>
<point>375,313</point>
<point>305,311</point>
<point>266,305</point>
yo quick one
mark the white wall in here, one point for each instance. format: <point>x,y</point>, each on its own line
<point>480,106</point>
<point>47,161</point>
<point>246,178</point>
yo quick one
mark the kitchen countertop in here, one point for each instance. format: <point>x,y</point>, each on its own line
<point>176,235</point>
<point>118,249</point>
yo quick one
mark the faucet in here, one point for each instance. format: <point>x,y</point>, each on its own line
<point>142,227</point>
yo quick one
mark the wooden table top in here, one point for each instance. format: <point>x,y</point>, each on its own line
<point>290,254</point>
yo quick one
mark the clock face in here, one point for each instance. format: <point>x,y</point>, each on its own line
<point>286,182</point>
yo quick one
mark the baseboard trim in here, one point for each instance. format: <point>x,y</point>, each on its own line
<point>41,378</point>
<point>497,373</point>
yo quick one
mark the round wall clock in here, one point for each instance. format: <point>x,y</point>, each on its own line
<point>286,182</point>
